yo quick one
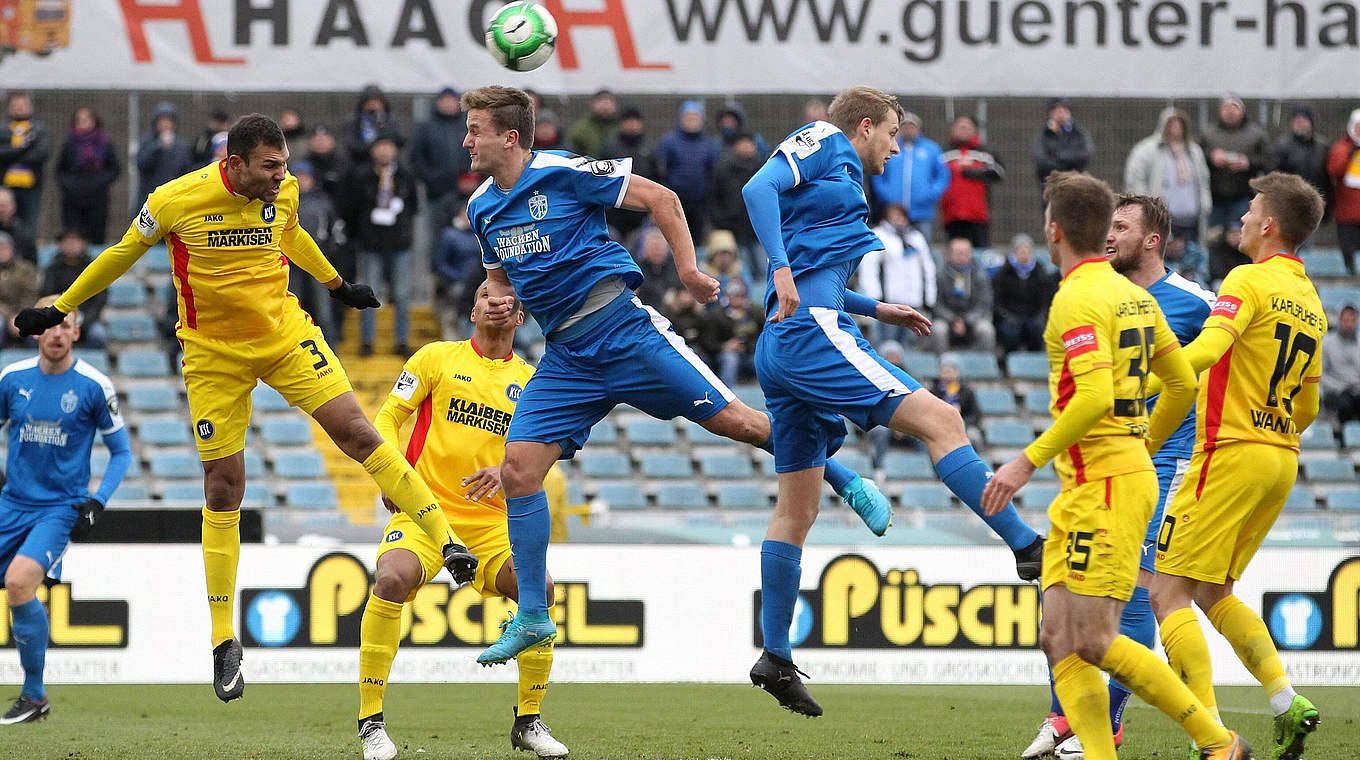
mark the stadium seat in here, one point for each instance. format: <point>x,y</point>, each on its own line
<point>1325,264</point>
<point>144,364</point>
<point>131,326</point>
<point>164,431</point>
<point>604,464</point>
<point>575,494</point>
<point>649,432</point>
<point>978,365</point>
<point>312,495</point>
<point>1300,499</point>
<point>899,465</point>
<point>856,461</point>
<point>99,463</point>
<point>932,496</point>
<point>131,493</point>
<point>699,436</point>
<point>302,465</point>
<point>127,293</point>
<point>657,465</point>
<point>183,492</point>
<point>97,359</point>
<point>1329,470</point>
<point>678,496</point>
<point>1045,473</point>
<point>1027,365</point>
<point>1343,499</point>
<point>9,356</point>
<point>742,496</point>
<point>604,432</point>
<point>621,495</point>
<point>257,495</point>
<point>157,259</point>
<point>254,465</point>
<point>1007,433</point>
<point>1350,433</point>
<point>1318,436</point>
<point>176,466</point>
<point>1037,496</point>
<point>921,365</point>
<point>1036,401</point>
<point>726,466</point>
<point>1333,296</point>
<point>751,395</point>
<point>153,398</point>
<point>265,399</point>
<point>765,463</point>
<point>287,431</point>
<point>996,401</point>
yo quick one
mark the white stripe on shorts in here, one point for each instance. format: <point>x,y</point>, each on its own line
<point>828,320</point>
<point>1182,466</point>
<point>663,326</point>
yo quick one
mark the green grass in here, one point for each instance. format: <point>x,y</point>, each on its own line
<point>652,721</point>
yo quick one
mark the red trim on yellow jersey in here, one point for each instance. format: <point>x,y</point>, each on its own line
<point>473,342</point>
<point>1080,263</point>
<point>222,169</point>
<point>1067,388</point>
<point>180,255</point>
<point>423,418</point>
<point>1213,412</point>
<point>1109,487</point>
<point>1282,255</point>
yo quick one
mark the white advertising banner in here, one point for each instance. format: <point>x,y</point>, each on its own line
<point>1265,48</point>
<point>138,614</point>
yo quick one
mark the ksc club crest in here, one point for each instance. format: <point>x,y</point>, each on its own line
<point>538,205</point>
<point>267,212</point>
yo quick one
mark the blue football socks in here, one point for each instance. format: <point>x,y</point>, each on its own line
<point>30,637</point>
<point>964,473</point>
<point>780,573</point>
<point>1137,623</point>
<point>529,526</point>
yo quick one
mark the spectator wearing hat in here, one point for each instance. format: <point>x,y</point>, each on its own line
<point>963,308</point>
<point>1341,367</point>
<point>721,261</point>
<point>1022,290</point>
<point>659,278</point>
<point>218,121</point>
<point>1238,150</point>
<point>456,263</point>
<point>162,155</point>
<point>25,144</point>
<point>630,141</point>
<point>1063,144</point>
<point>319,217</point>
<point>1299,150</point>
<point>219,146</point>
<point>915,178</point>
<point>372,118</point>
<point>294,132</point>
<point>965,208</point>
<point>686,159</point>
<point>439,159</point>
<point>733,125</point>
<point>588,135</point>
<point>1343,167</point>
<point>12,225</point>
<point>18,287</point>
<point>727,207</point>
<point>547,130</point>
<point>1169,163</point>
<point>902,272</point>
<point>731,328</point>
<point>73,255</point>
<point>379,213</point>
<point>951,389</point>
<point>330,164</point>
<point>87,168</point>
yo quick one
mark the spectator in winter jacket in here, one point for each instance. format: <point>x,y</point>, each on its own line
<point>1022,290</point>
<point>547,131</point>
<point>732,126</point>
<point>1062,144</point>
<point>1341,367</point>
<point>660,280</point>
<point>1169,163</point>
<point>686,159</point>
<point>972,168</point>
<point>688,318</point>
<point>318,216</point>
<point>24,146</point>
<point>814,110</point>
<point>903,272</point>
<point>1237,151</point>
<point>1301,151</point>
<point>1343,166</point>
<point>12,225</point>
<point>727,208</point>
<point>588,135</point>
<point>439,159</point>
<point>951,389</point>
<point>457,265</point>
<point>73,255</point>
<point>87,168</point>
<point>630,141</point>
<point>963,306</point>
<point>294,131</point>
<point>18,288</point>
<point>218,121</point>
<point>730,332</point>
<point>721,261</point>
<point>330,164</point>
<point>915,178</point>
<point>1224,255</point>
<point>380,214</point>
<point>162,155</point>
<point>372,117</point>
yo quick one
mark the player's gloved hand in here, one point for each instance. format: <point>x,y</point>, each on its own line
<point>89,510</point>
<point>356,296</point>
<point>36,321</point>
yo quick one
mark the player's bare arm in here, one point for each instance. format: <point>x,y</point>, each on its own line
<point>500,295</point>
<point>901,314</point>
<point>664,205</point>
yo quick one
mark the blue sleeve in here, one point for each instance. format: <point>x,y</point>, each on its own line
<point>941,178</point>
<point>601,182</point>
<point>4,401</point>
<point>441,257</point>
<point>761,194</point>
<point>858,303</point>
<point>120,458</point>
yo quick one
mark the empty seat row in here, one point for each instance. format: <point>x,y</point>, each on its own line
<point>172,431</point>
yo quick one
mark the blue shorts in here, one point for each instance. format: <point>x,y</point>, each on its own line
<point>1170,475</point>
<point>632,357</point>
<point>815,367</point>
<point>39,533</point>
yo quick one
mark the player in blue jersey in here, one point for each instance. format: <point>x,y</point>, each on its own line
<point>54,403</point>
<point>1136,248</point>
<point>808,208</point>
<point>539,218</point>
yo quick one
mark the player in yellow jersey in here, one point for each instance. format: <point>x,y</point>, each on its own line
<point>1261,347</point>
<point>1103,335</point>
<point>232,229</point>
<point>463,395</point>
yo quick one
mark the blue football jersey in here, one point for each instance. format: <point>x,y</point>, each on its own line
<point>52,421</point>
<point>548,232</point>
<point>1186,306</point>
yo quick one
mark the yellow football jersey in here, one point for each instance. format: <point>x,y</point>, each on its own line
<point>1100,319</point>
<point>463,403</point>
<point>1274,310</point>
<point>228,267</point>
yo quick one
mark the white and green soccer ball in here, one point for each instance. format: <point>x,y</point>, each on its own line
<point>521,36</point>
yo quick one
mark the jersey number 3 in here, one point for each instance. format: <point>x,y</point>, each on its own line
<point>1141,339</point>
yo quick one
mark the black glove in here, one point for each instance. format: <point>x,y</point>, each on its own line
<point>36,321</point>
<point>355,296</point>
<point>461,563</point>
<point>89,510</point>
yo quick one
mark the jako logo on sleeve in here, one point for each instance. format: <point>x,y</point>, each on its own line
<point>1226,306</point>
<point>1080,340</point>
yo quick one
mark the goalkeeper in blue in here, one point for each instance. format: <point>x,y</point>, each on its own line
<point>539,219</point>
<point>54,403</point>
<point>808,208</point>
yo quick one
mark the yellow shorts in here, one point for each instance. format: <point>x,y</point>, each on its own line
<point>220,374</point>
<point>1226,506</point>
<point>487,538</point>
<point>1097,532</point>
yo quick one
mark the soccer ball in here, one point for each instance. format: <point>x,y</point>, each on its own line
<point>521,36</point>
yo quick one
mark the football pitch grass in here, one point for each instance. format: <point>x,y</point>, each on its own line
<point>655,721</point>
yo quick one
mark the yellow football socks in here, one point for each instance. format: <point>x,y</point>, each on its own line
<point>379,634</point>
<point>1086,701</point>
<point>406,489</point>
<point>534,665</point>
<point>1135,666</point>
<point>1251,640</point>
<point>221,552</point>
<point>1188,653</point>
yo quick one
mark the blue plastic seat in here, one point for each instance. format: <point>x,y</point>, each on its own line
<point>576,495</point>
<point>176,466</point>
<point>130,493</point>
<point>1027,365</point>
<point>996,401</point>
<point>254,466</point>
<point>681,496</point>
<point>9,356</point>
<point>901,465</point>
<point>287,431</point>
<point>183,491</point>
<point>126,293</point>
<point>1333,296</point>
<point>933,496</point>
<point>153,398</point>
<point>301,465</point>
<point>1045,473</point>
<point>99,464</point>
<point>164,431</point>
<point>1036,401</point>
<point>1325,264</point>
<point>626,495</point>
<point>765,463</point>
<point>1037,496</point>
<point>1007,433</point>
<point>699,436</point>
<point>605,432</point>
<point>604,464</point>
<point>855,461</point>
<point>131,326</point>
<point>1300,499</point>
<point>649,432</point>
<point>97,359</point>
<point>1329,470</point>
<point>921,365</point>
<point>657,465</point>
<point>978,365</point>
<point>742,496</point>
<point>157,259</point>
<point>1350,433</point>
<point>312,495</point>
<point>751,395</point>
<point>1343,499</point>
<point>257,495</point>
<point>144,364</point>
<point>726,466</point>
<point>265,399</point>
<point>1319,436</point>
